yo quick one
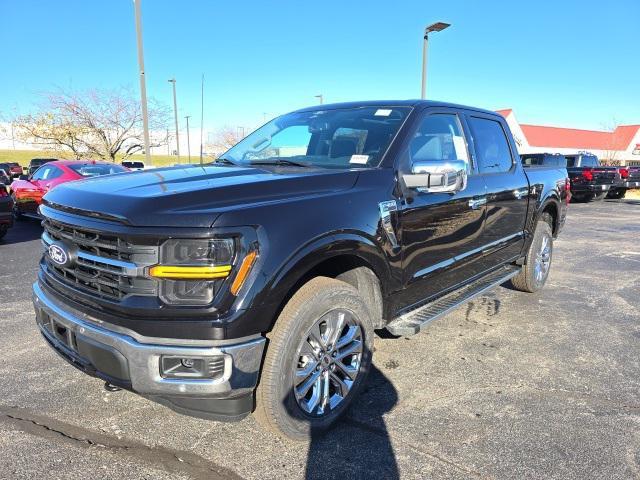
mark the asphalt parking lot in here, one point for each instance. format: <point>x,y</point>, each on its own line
<point>513,385</point>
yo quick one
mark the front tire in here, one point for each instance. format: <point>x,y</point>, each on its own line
<point>318,358</point>
<point>535,271</point>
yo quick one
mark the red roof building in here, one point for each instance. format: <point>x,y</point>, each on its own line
<point>620,146</point>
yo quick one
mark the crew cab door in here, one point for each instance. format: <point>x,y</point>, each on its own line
<point>507,188</point>
<point>440,232</point>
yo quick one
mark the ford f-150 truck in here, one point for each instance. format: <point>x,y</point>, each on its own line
<point>628,179</point>
<point>256,283</point>
<point>589,179</point>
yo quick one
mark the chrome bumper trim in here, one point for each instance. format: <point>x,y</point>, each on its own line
<point>242,360</point>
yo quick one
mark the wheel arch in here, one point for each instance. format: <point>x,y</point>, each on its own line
<point>349,257</point>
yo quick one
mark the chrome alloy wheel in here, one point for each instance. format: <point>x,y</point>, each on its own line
<point>543,259</point>
<point>328,362</point>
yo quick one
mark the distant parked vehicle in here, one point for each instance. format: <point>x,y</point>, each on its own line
<point>5,180</point>
<point>544,159</point>
<point>36,163</point>
<point>133,165</point>
<point>28,190</point>
<point>589,179</point>
<point>12,169</point>
<point>629,179</point>
<point>6,207</point>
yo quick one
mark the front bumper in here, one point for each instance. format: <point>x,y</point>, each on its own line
<point>127,360</point>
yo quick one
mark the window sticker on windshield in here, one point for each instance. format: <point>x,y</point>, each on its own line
<point>361,159</point>
<point>460,148</point>
<point>383,112</point>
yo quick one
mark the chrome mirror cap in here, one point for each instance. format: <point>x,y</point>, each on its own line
<point>437,176</point>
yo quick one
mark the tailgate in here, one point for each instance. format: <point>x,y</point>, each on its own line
<point>604,175</point>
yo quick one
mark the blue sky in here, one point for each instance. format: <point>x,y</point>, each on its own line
<point>568,63</point>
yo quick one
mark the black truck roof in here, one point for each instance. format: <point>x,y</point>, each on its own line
<point>394,103</point>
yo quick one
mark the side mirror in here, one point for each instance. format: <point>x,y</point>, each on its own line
<point>446,176</point>
<point>24,177</point>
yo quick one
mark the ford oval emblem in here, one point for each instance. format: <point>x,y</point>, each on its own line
<point>58,254</point>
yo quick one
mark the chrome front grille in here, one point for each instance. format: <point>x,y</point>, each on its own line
<point>104,265</point>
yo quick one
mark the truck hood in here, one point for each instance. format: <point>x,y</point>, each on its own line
<point>193,196</point>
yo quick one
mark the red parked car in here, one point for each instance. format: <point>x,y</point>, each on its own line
<point>28,191</point>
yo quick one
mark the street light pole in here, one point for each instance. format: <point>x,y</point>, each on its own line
<point>188,142</point>
<point>201,115</point>
<point>320,98</point>
<point>434,27</point>
<point>175,114</point>
<point>143,83</point>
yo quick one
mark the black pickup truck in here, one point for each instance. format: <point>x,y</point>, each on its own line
<point>589,179</point>
<point>628,179</point>
<point>256,282</point>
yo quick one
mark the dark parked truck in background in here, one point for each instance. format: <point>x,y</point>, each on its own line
<point>256,283</point>
<point>628,179</point>
<point>589,180</point>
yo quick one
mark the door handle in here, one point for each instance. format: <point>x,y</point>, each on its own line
<point>476,203</point>
<point>520,193</point>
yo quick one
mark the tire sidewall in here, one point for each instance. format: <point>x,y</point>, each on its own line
<point>293,420</point>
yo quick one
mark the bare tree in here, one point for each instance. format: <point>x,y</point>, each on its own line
<point>610,153</point>
<point>223,139</point>
<point>101,123</point>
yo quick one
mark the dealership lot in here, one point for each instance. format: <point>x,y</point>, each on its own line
<point>510,386</point>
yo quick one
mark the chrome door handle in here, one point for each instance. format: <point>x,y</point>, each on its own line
<point>476,203</point>
<point>520,193</point>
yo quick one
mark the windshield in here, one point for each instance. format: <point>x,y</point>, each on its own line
<point>344,138</point>
<point>94,170</point>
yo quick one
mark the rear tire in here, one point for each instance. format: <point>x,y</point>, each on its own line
<point>535,271</point>
<point>333,313</point>
<point>617,194</point>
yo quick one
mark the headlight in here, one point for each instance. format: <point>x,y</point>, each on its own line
<point>190,271</point>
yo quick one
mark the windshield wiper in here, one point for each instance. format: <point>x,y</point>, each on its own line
<point>225,161</point>
<point>281,161</point>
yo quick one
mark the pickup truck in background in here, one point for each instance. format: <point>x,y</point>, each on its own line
<point>628,179</point>
<point>256,283</point>
<point>543,159</point>
<point>589,180</point>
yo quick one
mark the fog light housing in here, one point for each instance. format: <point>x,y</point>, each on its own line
<point>207,368</point>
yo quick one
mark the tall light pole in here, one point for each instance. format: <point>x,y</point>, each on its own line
<point>201,114</point>
<point>320,98</point>
<point>188,142</point>
<point>434,27</point>
<point>143,83</point>
<point>175,114</point>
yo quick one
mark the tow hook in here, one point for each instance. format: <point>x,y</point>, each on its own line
<point>111,388</point>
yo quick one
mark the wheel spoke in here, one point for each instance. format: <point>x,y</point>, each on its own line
<point>336,325</point>
<point>352,333</point>
<point>348,370</point>
<point>340,384</point>
<point>303,373</point>
<point>308,350</point>
<point>316,337</point>
<point>304,387</point>
<point>352,348</point>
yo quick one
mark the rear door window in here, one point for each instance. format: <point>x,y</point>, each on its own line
<point>491,145</point>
